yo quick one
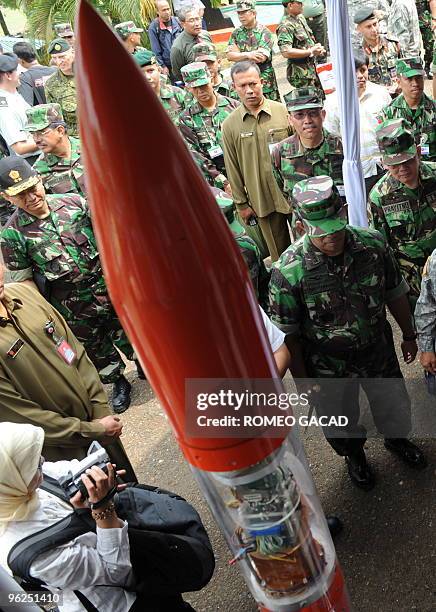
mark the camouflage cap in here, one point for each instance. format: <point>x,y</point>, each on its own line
<point>245,5</point>
<point>363,14</point>
<point>225,202</point>
<point>127,27</point>
<point>196,74</point>
<point>63,30</point>
<point>318,204</point>
<point>144,57</point>
<point>203,52</point>
<point>410,66</point>
<point>43,115</point>
<point>395,141</point>
<point>304,97</point>
<point>16,175</point>
<point>58,45</point>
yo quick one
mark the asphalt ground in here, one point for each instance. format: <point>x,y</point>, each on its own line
<point>387,549</point>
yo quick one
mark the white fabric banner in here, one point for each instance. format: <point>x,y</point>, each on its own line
<point>346,88</point>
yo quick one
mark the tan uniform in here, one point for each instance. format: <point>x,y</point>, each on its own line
<point>38,387</point>
<point>247,142</point>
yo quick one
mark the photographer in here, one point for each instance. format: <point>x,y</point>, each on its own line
<point>101,558</point>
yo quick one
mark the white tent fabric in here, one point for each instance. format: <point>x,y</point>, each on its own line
<point>345,79</point>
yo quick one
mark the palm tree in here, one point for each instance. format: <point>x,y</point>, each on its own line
<point>43,14</point>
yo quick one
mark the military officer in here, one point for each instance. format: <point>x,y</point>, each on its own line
<point>200,124</point>
<point>173,98</point>
<point>382,52</point>
<point>130,34</point>
<point>50,239</point>
<point>249,250</point>
<point>52,385</point>
<point>297,44</point>
<point>60,164</point>
<point>311,150</point>
<point>425,316</point>
<point>403,202</point>
<point>328,291</point>
<point>64,30</point>
<point>205,52</point>
<point>61,86</point>
<point>424,20</point>
<point>415,106</point>
<point>403,25</point>
<point>253,41</point>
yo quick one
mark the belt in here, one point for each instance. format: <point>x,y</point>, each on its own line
<point>346,354</point>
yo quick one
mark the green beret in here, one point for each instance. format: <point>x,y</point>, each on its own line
<point>58,45</point>
<point>144,57</point>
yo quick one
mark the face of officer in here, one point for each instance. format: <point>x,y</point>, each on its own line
<point>412,88</point>
<point>248,86</point>
<point>214,68</point>
<point>369,30</point>
<point>48,139</point>
<point>192,23</point>
<point>294,8</point>
<point>204,94</point>
<point>308,124</point>
<point>247,19</point>
<point>152,76</point>
<point>64,61</point>
<point>407,172</point>
<point>134,39</point>
<point>31,200</point>
<point>331,245</point>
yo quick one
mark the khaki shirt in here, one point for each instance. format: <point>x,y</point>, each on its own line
<point>247,156</point>
<point>38,387</point>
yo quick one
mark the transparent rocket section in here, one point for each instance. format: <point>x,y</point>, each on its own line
<point>275,528</point>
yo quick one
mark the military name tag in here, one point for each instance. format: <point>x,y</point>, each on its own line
<point>246,134</point>
<point>397,207</point>
<point>215,152</point>
<point>15,348</point>
<point>66,352</point>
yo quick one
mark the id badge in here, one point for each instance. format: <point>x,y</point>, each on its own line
<point>341,190</point>
<point>425,149</point>
<point>215,152</point>
<point>66,352</point>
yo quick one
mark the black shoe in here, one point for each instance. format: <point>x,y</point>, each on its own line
<point>335,525</point>
<point>359,471</point>
<point>407,451</point>
<point>140,371</point>
<point>121,395</point>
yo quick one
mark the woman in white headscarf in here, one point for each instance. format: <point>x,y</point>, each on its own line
<point>101,558</point>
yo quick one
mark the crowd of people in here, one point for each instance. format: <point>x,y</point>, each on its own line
<point>274,164</point>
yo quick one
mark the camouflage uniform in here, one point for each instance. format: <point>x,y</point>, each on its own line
<point>204,52</point>
<point>62,248</point>
<point>382,62</point>
<point>260,38</point>
<point>173,100</point>
<point>249,250</point>
<point>200,127</point>
<point>336,307</point>
<point>406,217</point>
<point>422,119</point>
<point>403,25</point>
<point>424,20</point>
<point>293,32</point>
<point>425,311</point>
<point>61,88</point>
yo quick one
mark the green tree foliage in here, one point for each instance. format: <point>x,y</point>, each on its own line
<point>43,14</point>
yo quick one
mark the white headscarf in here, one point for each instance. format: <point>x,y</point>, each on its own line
<point>20,452</point>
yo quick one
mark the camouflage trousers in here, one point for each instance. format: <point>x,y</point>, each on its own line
<point>101,337</point>
<point>377,372</point>
<point>318,25</point>
<point>412,274</point>
<point>303,75</point>
<point>270,87</point>
<point>427,36</point>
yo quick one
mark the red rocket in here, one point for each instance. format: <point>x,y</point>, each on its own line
<point>185,299</point>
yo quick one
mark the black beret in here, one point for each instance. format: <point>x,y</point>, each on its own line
<point>8,62</point>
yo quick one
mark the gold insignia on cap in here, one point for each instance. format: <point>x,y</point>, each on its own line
<point>57,47</point>
<point>15,176</point>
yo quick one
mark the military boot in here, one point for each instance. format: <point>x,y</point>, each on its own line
<point>121,395</point>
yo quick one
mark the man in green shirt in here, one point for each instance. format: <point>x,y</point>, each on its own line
<point>249,135</point>
<point>182,52</point>
<point>60,164</point>
<point>61,86</point>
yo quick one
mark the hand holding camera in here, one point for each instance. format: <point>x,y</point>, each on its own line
<point>99,483</point>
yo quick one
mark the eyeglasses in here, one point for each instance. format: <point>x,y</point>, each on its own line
<point>310,114</point>
<point>43,132</point>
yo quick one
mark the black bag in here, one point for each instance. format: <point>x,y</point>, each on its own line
<point>170,550</point>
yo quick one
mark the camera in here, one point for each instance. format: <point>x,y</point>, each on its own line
<point>72,482</point>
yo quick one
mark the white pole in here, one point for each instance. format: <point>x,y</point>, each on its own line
<point>346,89</point>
